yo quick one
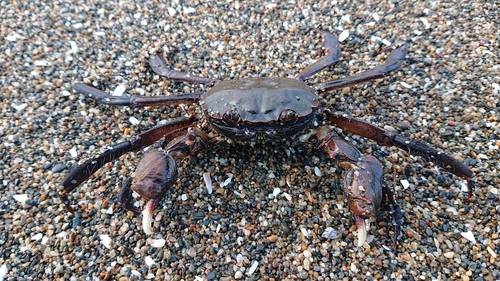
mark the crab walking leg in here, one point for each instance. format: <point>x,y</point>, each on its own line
<point>89,167</point>
<point>367,130</point>
<point>362,182</point>
<point>393,63</point>
<point>134,100</point>
<point>157,172</point>
<point>160,66</point>
<point>332,51</point>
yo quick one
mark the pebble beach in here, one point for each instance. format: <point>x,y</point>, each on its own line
<point>275,210</point>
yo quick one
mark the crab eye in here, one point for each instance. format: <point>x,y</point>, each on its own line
<point>231,117</point>
<point>288,116</point>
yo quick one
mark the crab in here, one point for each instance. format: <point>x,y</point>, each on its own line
<point>258,109</point>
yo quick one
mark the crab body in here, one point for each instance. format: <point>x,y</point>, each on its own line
<point>270,107</point>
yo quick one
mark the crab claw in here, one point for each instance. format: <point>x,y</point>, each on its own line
<point>155,173</point>
<point>363,189</point>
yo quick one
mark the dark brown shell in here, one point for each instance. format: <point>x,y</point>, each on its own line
<point>259,103</point>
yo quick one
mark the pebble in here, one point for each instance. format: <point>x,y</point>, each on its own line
<point>278,206</point>
<point>58,168</point>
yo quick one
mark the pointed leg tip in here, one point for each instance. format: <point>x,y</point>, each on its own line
<point>65,201</point>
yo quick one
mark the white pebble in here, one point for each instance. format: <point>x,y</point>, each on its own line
<point>149,261</point>
<point>3,271</point>
<point>449,255</point>
<point>306,264</point>
<point>61,234</point>
<point>184,197</point>
<point>13,37</point>
<point>483,156</point>
<point>452,210</point>
<point>74,47</point>
<point>73,152</point>
<point>227,181</point>
<point>133,120</point>
<point>496,88</point>
<point>171,11</point>
<point>37,237</point>
<point>42,63</point>
<point>425,22</point>
<point>287,196</point>
<point>493,190</point>
<point>343,36</point>
<point>208,182</point>
<point>354,268</point>
<point>386,42</point>
<point>375,39</point>
<point>109,211</point>
<point>317,172</point>
<point>406,85</point>
<point>405,184</point>
<point>20,197</point>
<point>188,10</point>
<point>253,267</point>
<point>376,17</point>
<point>119,90</point>
<point>239,258</point>
<point>346,18</point>
<point>304,232</point>
<point>276,191</point>
<point>492,253</point>
<point>307,253</point>
<point>469,236</point>
<point>330,233</point>
<point>19,107</point>
<point>135,273</point>
<point>157,243</point>
<point>105,240</point>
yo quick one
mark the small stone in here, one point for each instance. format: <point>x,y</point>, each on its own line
<point>58,168</point>
<point>191,252</point>
<point>469,236</point>
<point>272,238</point>
<point>449,255</point>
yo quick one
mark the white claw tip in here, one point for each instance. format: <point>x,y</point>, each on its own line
<point>147,217</point>
<point>361,224</point>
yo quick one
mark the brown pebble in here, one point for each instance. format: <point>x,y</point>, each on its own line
<point>272,238</point>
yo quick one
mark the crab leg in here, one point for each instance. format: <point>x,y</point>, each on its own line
<point>332,51</point>
<point>393,63</point>
<point>367,130</point>
<point>160,66</point>
<point>89,167</point>
<point>362,184</point>
<point>134,100</point>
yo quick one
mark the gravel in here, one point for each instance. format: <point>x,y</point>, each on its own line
<point>276,211</point>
